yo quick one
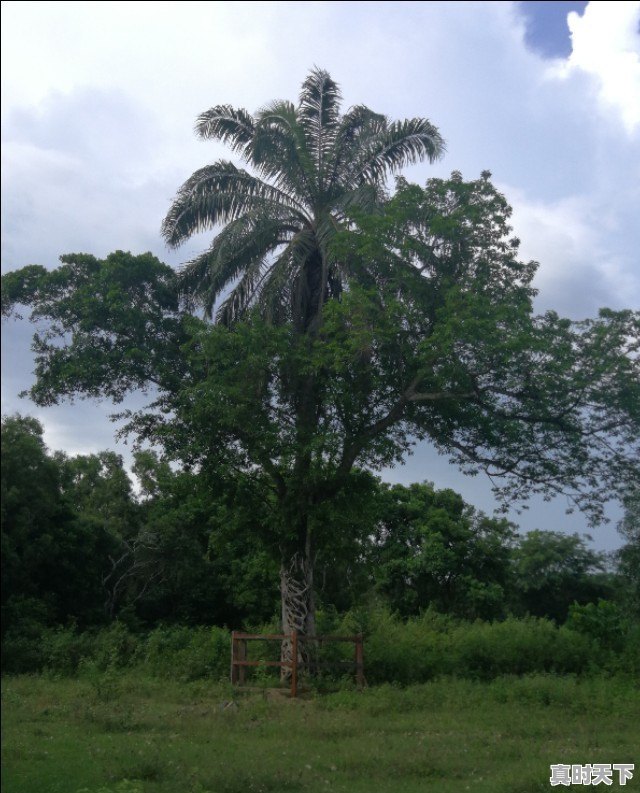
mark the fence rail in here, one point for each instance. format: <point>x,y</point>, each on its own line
<point>239,662</point>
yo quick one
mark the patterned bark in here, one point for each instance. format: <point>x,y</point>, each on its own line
<point>298,607</point>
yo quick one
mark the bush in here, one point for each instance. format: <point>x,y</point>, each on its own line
<point>22,653</point>
<point>23,620</point>
<point>400,652</point>
<point>187,653</point>
<point>604,621</point>
<point>628,661</point>
<point>114,647</point>
<point>181,653</point>
<point>64,649</point>
<point>485,651</point>
<point>395,651</point>
<point>433,645</point>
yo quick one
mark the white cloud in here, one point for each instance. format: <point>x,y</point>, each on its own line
<point>572,238</point>
<point>606,46</point>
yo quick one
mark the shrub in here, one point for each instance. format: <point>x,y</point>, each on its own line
<point>486,650</point>
<point>432,645</point>
<point>187,653</point>
<point>604,621</point>
<point>395,651</point>
<point>64,649</point>
<point>23,620</point>
<point>114,647</point>
<point>628,661</point>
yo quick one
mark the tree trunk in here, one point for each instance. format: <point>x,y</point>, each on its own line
<point>296,568</point>
<point>298,605</point>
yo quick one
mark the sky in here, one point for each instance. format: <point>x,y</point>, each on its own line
<point>99,101</point>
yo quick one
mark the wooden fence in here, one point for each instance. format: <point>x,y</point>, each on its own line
<point>239,662</point>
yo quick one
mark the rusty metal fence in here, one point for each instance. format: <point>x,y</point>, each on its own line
<point>240,662</point>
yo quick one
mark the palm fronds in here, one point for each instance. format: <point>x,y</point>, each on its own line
<point>402,143</point>
<point>312,166</point>
<point>226,124</point>
<point>219,193</point>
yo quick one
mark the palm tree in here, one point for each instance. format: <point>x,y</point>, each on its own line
<point>311,165</point>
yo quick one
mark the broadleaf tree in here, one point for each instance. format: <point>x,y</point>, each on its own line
<point>310,166</point>
<point>629,554</point>
<point>380,324</point>
<point>431,549</point>
<point>553,571</point>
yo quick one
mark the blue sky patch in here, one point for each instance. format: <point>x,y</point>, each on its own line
<point>547,32</point>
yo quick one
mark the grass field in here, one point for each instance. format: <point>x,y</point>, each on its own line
<point>128,734</point>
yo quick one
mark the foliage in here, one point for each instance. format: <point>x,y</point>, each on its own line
<point>193,551</point>
<point>433,339</point>
<point>211,565</point>
<point>187,653</point>
<point>604,621</point>
<point>541,404</point>
<point>432,549</point>
<point>396,651</point>
<point>274,229</point>
<point>431,645</point>
<point>554,570</point>
<point>50,556</point>
<point>123,313</point>
<point>629,554</point>
<point>100,490</point>
<point>78,547</point>
<point>179,653</point>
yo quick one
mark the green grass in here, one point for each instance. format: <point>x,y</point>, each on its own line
<point>128,734</point>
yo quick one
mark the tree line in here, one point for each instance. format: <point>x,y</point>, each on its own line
<point>331,325</point>
<point>82,546</point>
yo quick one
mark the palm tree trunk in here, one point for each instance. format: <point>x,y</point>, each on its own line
<point>298,604</point>
<point>296,568</point>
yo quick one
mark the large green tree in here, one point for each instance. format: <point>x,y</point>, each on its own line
<point>432,549</point>
<point>310,166</point>
<point>553,570</point>
<point>431,336</point>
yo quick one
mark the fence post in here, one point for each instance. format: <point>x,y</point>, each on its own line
<point>359,662</point>
<point>294,663</point>
<point>242,656</point>
<point>234,668</point>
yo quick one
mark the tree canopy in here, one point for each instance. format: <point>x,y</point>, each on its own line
<point>437,341</point>
<point>432,549</point>
<point>404,319</point>
<point>80,547</point>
